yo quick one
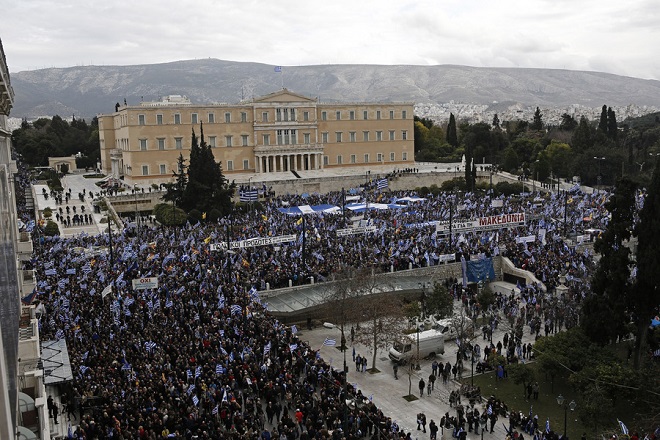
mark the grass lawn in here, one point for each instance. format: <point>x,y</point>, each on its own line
<point>546,407</point>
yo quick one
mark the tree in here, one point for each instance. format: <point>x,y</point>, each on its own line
<point>643,298</point>
<point>452,135</point>
<point>51,229</point>
<point>521,374</point>
<point>496,121</point>
<point>612,128</point>
<point>583,136</point>
<point>510,161</point>
<point>611,282</point>
<point>440,302</point>
<point>568,123</point>
<point>175,190</point>
<point>380,319</point>
<point>537,123</point>
<point>602,124</point>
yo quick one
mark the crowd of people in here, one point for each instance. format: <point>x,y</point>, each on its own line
<point>201,357</point>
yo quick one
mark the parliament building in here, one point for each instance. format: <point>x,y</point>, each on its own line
<point>282,132</point>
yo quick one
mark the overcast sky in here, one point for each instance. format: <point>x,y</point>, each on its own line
<point>618,37</point>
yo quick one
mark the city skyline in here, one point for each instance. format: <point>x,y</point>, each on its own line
<point>604,36</point>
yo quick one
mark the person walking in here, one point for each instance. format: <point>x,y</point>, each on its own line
<point>433,429</point>
<point>432,381</point>
<point>422,384</point>
<point>395,368</point>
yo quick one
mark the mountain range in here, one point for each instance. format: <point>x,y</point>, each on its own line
<point>85,91</point>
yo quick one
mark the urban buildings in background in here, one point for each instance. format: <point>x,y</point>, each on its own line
<point>23,411</point>
<point>277,133</point>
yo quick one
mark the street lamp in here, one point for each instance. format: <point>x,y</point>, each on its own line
<point>599,177</point>
<point>571,406</point>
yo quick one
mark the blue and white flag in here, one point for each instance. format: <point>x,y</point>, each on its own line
<point>329,342</point>
<point>198,371</point>
<point>624,428</point>
<point>278,69</point>
<point>71,271</point>
<point>236,309</point>
<point>381,184</point>
<point>547,425</point>
<point>267,348</point>
<point>83,369</point>
<point>191,388</point>
<point>219,369</point>
<point>50,272</point>
<point>59,335</point>
<point>292,347</point>
<point>195,400</point>
<point>149,346</point>
<point>188,373</point>
<point>294,329</point>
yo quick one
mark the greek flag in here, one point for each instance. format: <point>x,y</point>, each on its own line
<point>84,369</point>
<point>267,348</point>
<point>198,371</point>
<point>149,346</point>
<point>71,271</point>
<point>62,283</point>
<point>126,366</point>
<point>191,388</point>
<point>219,369</point>
<point>50,272</point>
<point>59,335</point>
<point>490,410</point>
<point>188,374</point>
<point>195,400</point>
<point>249,196</point>
<point>381,184</point>
<point>292,347</point>
<point>253,293</point>
<point>129,301</point>
<point>294,329</point>
<point>236,309</point>
<point>168,303</point>
<point>84,356</point>
<point>329,342</point>
<point>547,425</point>
<point>624,428</point>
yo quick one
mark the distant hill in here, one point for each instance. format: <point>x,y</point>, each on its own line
<point>89,90</point>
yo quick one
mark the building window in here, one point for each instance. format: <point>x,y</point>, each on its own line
<point>339,160</point>
<point>161,144</point>
<point>338,115</point>
<point>392,157</point>
<point>266,139</point>
<point>324,137</point>
<point>379,136</point>
<point>351,134</point>
<point>230,165</point>
<point>391,114</point>
<point>404,156</point>
<point>294,139</point>
<point>306,116</point>
<point>365,136</point>
<point>228,141</point>
<point>365,115</point>
<point>353,158</point>
<point>246,164</point>
<point>227,117</point>
<point>243,117</point>
<point>391,135</point>
<point>162,169</point>
<point>211,118</point>
<point>404,135</point>
<point>306,137</point>
<point>194,118</point>
<point>338,134</point>
<point>278,115</point>
<point>159,119</point>
<point>324,116</point>
<point>404,114</point>
<point>178,143</point>
<point>145,170</point>
<point>366,158</point>
<point>143,145</point>
<point>379,157</point>
<point>177,118</point>
<point>141,119</point>
<point>325,161</point>
<point>377,114</point>
<point>212,141</point>
<point>264,117</point>
<point>351,115</point>
<point>244,140</point>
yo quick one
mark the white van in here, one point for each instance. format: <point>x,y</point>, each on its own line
<point>431,344</point>
<point>448,327</point>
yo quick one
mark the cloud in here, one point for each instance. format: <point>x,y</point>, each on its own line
<point>594,34</point>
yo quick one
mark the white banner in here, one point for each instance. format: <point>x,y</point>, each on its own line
<point>447,257</point>
<point>528,239</point>
<point>355,231</point>
<point>483,223</point>
<point>145,283</point>
<point>253,242</point>
<point>497,203</point>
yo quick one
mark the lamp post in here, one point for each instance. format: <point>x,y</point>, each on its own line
<point>599,178</point>
<point>137,221</point>
<point>567,406</point>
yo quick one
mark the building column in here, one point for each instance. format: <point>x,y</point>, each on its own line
<point>294,158</point>
<point>267,164</point>
<point>321,164</point>
<point>279,159</point>
<point>257,164</point>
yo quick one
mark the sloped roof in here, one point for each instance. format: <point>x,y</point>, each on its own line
<point>284,95</point>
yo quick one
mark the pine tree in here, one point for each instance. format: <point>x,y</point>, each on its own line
<point>537,124</point>
<point>452,136</point>
<point>583,138</point>
<point>496,121</point>
<point>193,192</point>
<point>602,125</point>
<point>612,129</point>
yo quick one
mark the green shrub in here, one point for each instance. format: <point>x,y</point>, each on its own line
<point>51,229</point>
<point>48,213</point>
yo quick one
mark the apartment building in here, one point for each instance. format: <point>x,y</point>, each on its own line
<point>282,132</point>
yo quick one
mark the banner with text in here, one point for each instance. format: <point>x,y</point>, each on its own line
<point>483,223</point>
<point>355,231</point>
<point>145,283</point>
<point>253,242</point>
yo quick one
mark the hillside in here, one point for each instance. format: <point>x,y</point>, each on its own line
<point>89,90</point>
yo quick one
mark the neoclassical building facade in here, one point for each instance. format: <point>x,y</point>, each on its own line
<point>282,132</point>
